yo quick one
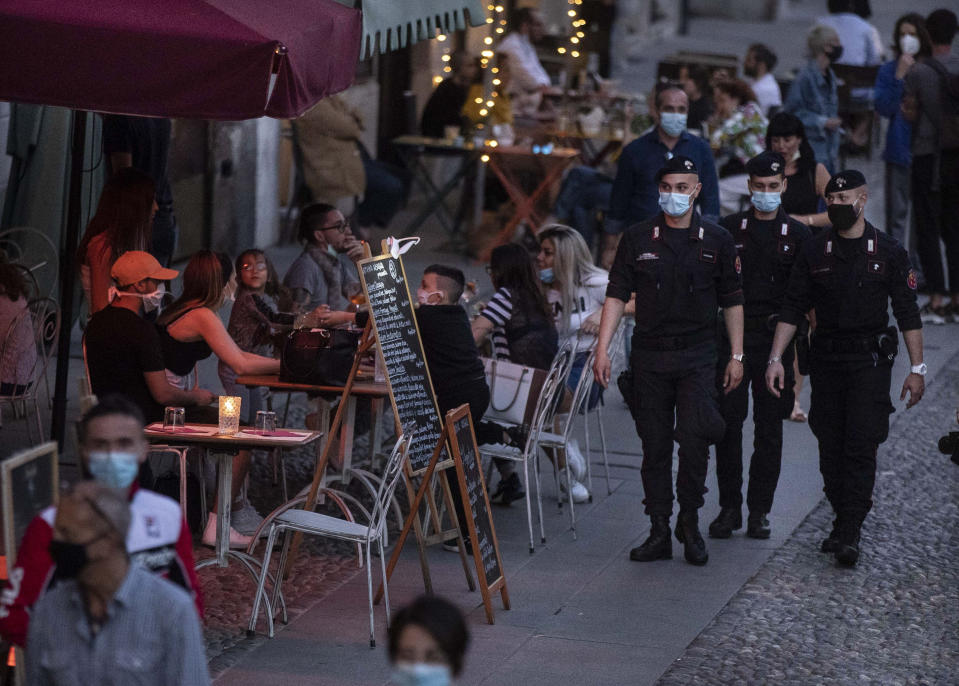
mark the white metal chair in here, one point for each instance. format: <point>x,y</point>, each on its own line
<point>615,351</point>
<point>34,250</point>
<point>543,415</point>
<point>317,524</point>
<point>42,320</point>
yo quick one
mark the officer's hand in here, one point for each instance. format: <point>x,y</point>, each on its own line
<point>775,378</point>
<point>602,368</point>
<point>733,376</point>
<point>916,385</point>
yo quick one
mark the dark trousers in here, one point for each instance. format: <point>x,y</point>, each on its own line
<point>849,415</point>
<point>477,396</point>
<point>937,217</point>
<point>687,399</point>
<point>768,414</point>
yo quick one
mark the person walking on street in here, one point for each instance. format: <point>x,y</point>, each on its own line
<point>681,268</point>
<point>931,103</point>
<point>767,242</point>
<point>849,274</point>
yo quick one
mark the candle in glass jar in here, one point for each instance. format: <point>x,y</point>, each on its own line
<point>229,414</point>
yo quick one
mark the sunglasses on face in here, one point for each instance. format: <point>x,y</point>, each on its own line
<point>253,267</point>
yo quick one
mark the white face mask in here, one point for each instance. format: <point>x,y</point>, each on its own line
<point>423,297</point>
<point>151,301</point>
<point>115,469</point>
<point>331,251</point>
<point>421,674</point>
<point>909,44</point>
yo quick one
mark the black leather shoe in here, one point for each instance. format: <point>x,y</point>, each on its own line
<point>729,520</point>
<point>757,526</point>
<point>830,544</point>
<point>509,489</point>
<point>687,533</point>
<point>658,546</point>
<point>847,553</point>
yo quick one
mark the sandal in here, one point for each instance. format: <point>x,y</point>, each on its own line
<point>797,414</point>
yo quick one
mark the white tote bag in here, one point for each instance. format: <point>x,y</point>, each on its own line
<point>514,391</point>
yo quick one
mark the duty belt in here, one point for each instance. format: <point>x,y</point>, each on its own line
<point>673,342</point>
<point>844,346</point>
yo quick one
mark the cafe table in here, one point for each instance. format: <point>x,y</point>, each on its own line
<point>509,163</point>
<point>223,447</point>
<point>412,150</point>
<point>376,391</point>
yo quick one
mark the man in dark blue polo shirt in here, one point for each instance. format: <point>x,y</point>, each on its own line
<point>635,195</point>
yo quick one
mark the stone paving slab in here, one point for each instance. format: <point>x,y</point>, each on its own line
<point>894,619</point>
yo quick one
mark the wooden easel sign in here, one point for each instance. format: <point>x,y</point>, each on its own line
<point>479,520</point>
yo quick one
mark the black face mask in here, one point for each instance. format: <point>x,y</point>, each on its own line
<point>69,558</point>
<point>842,217</point>
<point>834,53</point>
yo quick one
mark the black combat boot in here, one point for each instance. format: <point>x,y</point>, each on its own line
<point>830,544</point>
<point>687,533</point>
<point>730,519</point>
<point>757,526</point>
<point>658,546</point>
<point>847,553</point>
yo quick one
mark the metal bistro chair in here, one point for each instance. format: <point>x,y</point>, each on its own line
<point>42,317</point>
<point>615,351</point>
<point>543,415</point>
<point>318,524</point>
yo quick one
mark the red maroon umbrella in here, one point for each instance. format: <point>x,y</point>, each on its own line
<point>199,59</point>
<point>202,59</point>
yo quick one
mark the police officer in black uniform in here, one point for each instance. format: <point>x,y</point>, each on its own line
<point>849,274</point>
<point>767,242</point>
<point>682,269</point>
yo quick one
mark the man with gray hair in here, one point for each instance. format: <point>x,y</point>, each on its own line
<point>110,622</point>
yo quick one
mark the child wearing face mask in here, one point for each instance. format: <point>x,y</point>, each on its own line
<point>428,641</point>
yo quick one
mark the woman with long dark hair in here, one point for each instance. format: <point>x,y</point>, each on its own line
<point>806,178</point>
<point>123,222</point>
<point>910,44</point>
<point>190,330</point>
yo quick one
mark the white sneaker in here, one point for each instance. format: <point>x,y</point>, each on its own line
<point>246,519</point>
<point>237,540</point>
<point>580,494</point>
<point>575,460</point>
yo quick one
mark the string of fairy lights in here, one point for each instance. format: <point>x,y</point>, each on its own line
<point>496,19</point>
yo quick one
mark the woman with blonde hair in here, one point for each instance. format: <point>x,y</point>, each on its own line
<point>190,330</point>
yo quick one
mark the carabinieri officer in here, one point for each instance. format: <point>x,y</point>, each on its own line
<point>767,242</point>
<point>849,274</point>
<point>682,269</point>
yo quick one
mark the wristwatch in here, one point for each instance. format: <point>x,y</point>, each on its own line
<point>739,357</point>
<point>919,369</point>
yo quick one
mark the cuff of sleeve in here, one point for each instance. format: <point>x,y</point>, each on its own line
<point>911,324</point>
<point>618,292</point>
<point>791,317</point>
<point>732,299</point>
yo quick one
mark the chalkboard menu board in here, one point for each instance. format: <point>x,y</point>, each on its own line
<point>469,471</point>
<point>394,321</point>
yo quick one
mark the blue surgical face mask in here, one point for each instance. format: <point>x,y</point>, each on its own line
<point>546,275</point>
<point>767,202</point>
<point>674,204</point>
<point>331,251</point>
<point>673,123</point>
<point>114,469</point>
<point>421,674</point>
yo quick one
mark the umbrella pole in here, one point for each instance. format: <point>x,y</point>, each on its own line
<point>68,275</point>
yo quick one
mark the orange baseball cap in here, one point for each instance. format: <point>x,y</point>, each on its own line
<point>136,265</point>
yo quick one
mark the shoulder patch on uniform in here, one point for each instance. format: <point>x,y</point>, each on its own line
<point>912,280</point>
<point>739,265</point>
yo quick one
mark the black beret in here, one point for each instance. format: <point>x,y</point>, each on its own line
<point>677,165</point>
<point>766,163</point>
<point>845,181</point>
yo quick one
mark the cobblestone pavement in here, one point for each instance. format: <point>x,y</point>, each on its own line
<point>320,569</point>
<point>894,619</point>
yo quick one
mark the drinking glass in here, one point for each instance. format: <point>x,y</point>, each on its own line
<point>265,422</point>
<point>173,418</point>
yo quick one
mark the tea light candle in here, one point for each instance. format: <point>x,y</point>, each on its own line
<point>229,414</point>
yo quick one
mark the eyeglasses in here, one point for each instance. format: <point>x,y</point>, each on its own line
<point>339,226</point>
<point>253,267</point>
